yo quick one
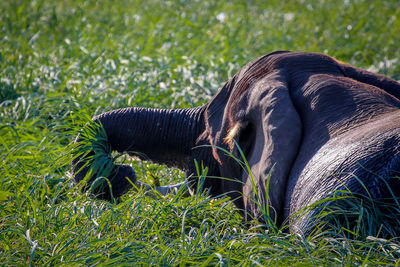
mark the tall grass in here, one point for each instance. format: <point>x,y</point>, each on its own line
<point>62,62</point>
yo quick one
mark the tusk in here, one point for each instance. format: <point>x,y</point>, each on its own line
<point>140,185</point>
<point>163,190</point>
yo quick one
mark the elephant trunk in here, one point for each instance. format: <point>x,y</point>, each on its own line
<point>164,136</point>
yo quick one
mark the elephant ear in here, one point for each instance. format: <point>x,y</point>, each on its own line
<point>277,133</point>
<point>263,122</point>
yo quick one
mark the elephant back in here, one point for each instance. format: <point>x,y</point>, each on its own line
<point>363,161</point>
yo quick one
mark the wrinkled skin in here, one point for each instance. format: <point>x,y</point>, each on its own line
<point>310,123</point>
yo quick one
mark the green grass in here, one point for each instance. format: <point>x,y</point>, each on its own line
<point>64,61</point>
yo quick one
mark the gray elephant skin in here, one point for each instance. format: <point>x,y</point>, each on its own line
<point>307,124</point>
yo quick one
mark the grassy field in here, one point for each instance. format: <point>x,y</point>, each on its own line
<point>64,61</point>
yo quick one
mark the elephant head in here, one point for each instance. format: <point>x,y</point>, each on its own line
<point>307,125</point>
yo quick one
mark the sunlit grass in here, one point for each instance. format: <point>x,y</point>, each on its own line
<point>63,62</point>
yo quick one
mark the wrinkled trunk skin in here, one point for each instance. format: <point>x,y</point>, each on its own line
<point>160,135</point>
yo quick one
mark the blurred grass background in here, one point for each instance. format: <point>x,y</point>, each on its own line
<point>62,62</point>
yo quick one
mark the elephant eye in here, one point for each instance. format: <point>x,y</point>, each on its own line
<point>246,138</point>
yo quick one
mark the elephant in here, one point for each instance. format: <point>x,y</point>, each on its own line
<point>307,124</point>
